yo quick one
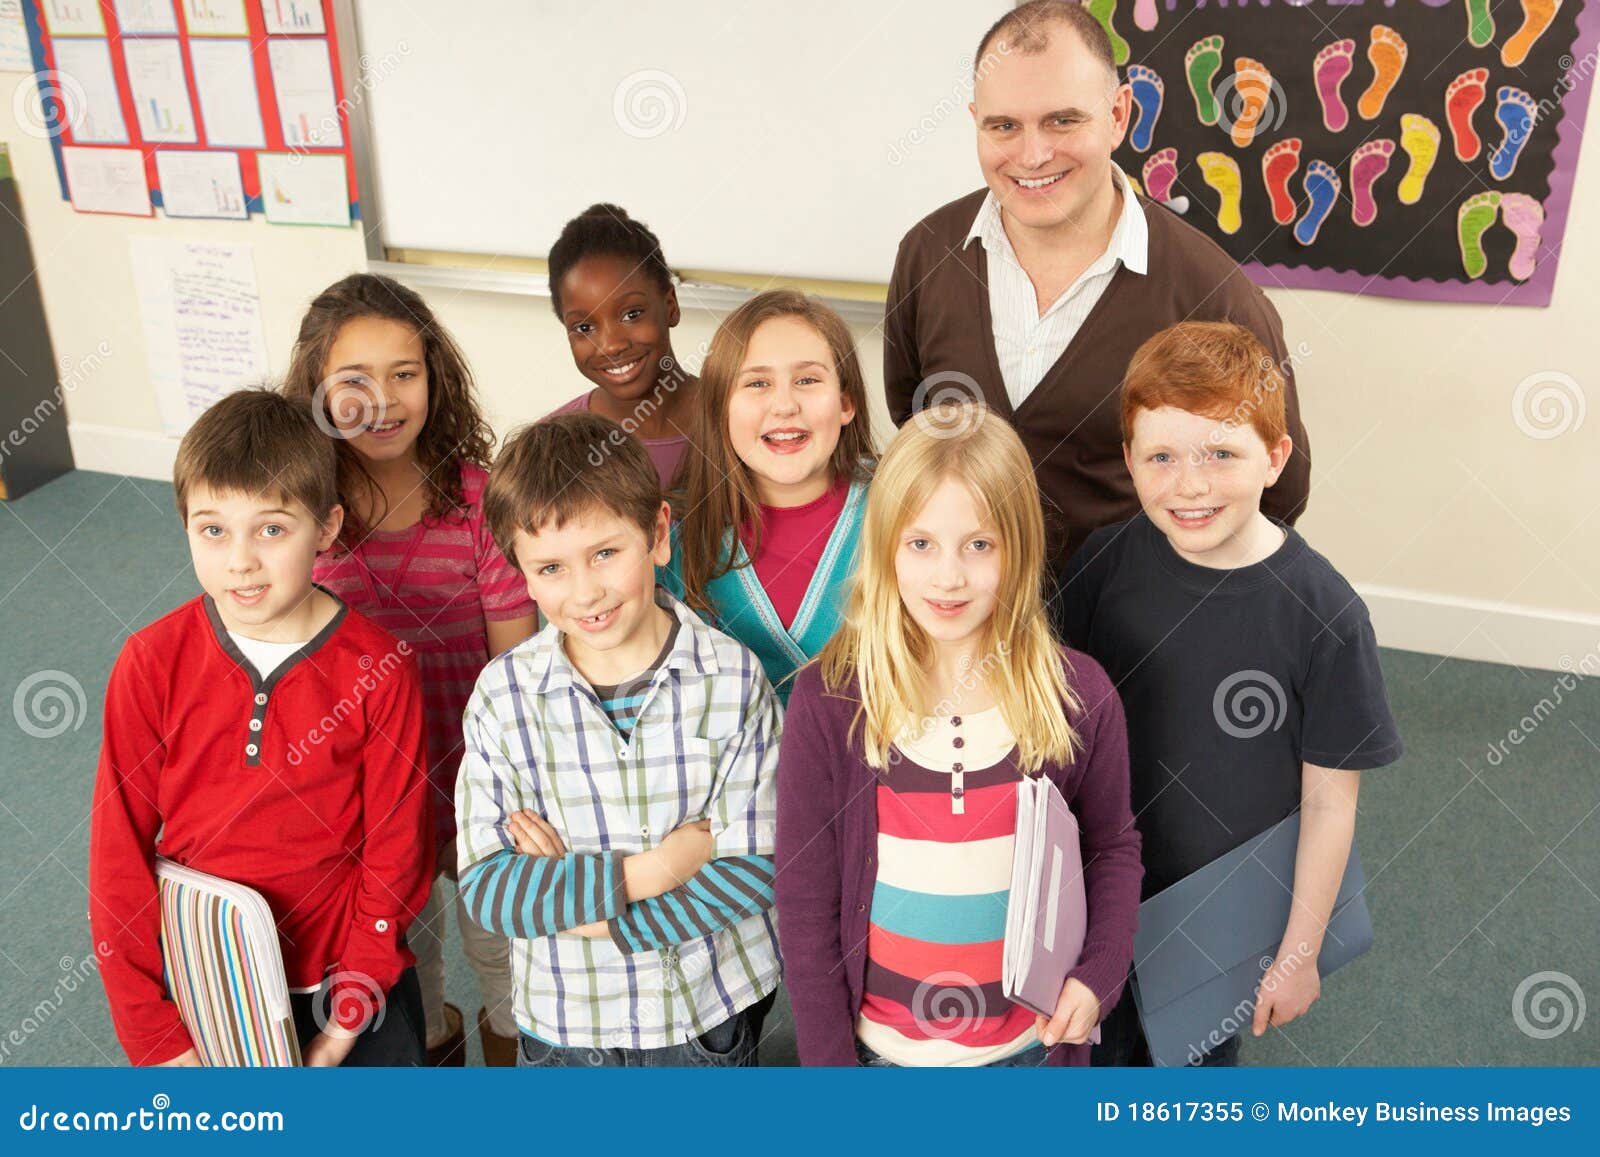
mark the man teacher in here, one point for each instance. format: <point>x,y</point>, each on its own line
<point>1036,291</point>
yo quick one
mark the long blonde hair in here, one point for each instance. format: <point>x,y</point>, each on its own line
<point>714,490</point>
<point>884,648</point>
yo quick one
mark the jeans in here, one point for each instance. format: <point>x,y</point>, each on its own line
<point>393,1039</point>
<point>731,1044</point>
<point>1122,1042</point>
<point>1032,1057</point>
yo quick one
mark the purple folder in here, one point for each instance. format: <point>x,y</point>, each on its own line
<point>1047,914</point>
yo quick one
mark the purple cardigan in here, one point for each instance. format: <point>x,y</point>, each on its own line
<point>827,856</point>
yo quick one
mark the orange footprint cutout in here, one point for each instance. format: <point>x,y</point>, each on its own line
<point>1387,52</point>
<point>1252,88</point>
<point>1537,16</point>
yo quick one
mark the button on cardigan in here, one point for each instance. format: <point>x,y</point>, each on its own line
<point>826,868</point>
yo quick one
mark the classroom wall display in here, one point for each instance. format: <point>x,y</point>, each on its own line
<point>1411,148</point>
<point>197,92</point>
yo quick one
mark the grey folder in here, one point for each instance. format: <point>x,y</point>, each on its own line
<point>1203,943</point>
<point>1047,914</point>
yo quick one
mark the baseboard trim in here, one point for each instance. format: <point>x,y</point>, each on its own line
<point>1489,632</point>
<point>116,450</point>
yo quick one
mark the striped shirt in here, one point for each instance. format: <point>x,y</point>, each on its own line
<point>621,701</point>
<point>947,819</point>
<point>1026,344</point>
<point>435,585</point>
<point>705,746</point>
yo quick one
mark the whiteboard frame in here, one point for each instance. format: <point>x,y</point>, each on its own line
<point>711,296</point>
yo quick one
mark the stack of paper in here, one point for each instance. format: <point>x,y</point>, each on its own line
<point>1047,914</point>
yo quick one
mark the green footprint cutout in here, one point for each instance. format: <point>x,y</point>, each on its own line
<point>1200,65</point>
<point>1103,11</point>
<point>1480,23</point>
<point>1473,220</point>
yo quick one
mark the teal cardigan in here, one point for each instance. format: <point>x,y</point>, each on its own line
<point>744,611</point>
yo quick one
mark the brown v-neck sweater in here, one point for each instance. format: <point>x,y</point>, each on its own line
<point>937,322</point>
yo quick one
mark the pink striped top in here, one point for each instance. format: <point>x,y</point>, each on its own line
<point>436,585</point>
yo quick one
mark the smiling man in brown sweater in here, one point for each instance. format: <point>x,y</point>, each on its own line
<point>1034,293</point>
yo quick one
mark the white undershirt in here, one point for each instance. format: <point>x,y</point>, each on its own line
<point>1026,344</point>
<point>264,657</point>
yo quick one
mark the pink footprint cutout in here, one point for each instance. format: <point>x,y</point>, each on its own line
<point>1159,172</point>
<point>1370,162</point>
<point>1328,71</point>
<point>1144,14</point>
<point>1524,216</point>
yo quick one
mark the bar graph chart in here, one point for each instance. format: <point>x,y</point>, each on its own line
<point>288,17</point>
<point>160,90</point>
<point>215,18</point>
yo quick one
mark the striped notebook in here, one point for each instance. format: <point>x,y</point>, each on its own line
<point>225,970</point>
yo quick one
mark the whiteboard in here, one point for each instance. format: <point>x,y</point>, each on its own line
<point>798,139</point>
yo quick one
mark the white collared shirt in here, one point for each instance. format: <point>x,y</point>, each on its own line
<point>1026,344</point>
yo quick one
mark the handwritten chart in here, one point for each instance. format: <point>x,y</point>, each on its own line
<point>202,323</point>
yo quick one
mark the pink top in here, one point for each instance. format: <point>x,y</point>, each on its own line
<point>666,453</point>
<point>435,585</point>
<point>792,541</point>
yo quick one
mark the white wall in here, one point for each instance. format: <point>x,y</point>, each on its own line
<point>1466,535</point>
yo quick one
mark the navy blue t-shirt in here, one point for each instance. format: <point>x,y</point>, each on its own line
<point>1231,680</point>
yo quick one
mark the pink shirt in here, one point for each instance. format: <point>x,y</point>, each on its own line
<point>792,541</point>
<point>666,453</point>
<point>436,585</point>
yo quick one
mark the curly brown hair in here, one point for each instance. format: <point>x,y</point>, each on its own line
<point>455,433</point>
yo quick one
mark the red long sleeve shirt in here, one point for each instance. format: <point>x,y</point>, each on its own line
<point>308,786</point>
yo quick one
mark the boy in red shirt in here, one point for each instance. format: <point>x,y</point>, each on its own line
<point>266,734</point>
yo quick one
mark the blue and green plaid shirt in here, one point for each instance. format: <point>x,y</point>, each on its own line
<point>704,745</point>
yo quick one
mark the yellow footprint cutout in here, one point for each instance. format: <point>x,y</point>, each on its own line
<point>1419,138</point>
<point>1387,52</point>
<point>1221,172</point>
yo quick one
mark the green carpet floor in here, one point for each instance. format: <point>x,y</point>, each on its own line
<point>1481,874</point>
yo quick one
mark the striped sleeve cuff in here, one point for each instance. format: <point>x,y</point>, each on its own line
<point>528,897</point>
<point>721,894</point>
